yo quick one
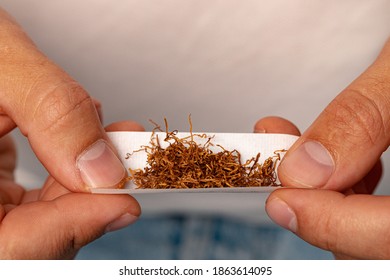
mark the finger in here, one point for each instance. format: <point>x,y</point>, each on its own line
<point>57,227</point>
<point>368,184</point>
<point>55,113</point>
<point>125,126</point>
<point>348,137</point>
<point>6,124</point>
<point>276,125</point>
<point>7,157</point>
<point>355,225</point>
<point>10,192</point>
<point>51,189</point>
<point>31,196</point>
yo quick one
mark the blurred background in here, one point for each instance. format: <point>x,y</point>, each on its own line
<point>227,63</point>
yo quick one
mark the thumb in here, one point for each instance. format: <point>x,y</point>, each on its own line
<point>55,113</point>
<point>348,137</point>
<point>57,229</point>
<point>356,226</point>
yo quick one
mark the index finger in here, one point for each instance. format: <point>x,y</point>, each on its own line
<point>354,225</point>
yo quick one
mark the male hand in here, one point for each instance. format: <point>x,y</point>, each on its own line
<point>55,113</point>
<point>340,155</point>
<point>53,222</point>
<point>63,127</point>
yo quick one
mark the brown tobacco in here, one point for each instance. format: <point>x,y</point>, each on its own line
<point>185,164</point>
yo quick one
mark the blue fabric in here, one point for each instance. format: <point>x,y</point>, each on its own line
<point>180,237</point>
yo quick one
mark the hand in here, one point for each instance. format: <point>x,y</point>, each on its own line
<point>62,124</point>
<point>52,222</point>
<point>55,113</point>
<point>340,154</point>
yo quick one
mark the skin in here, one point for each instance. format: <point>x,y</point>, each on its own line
<point>46,223</point>
<point>333,208</point>
<point>330,205</point>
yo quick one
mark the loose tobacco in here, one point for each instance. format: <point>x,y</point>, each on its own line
<point>186,164</point>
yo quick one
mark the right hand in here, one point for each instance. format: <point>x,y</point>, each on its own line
<point>336,166</point>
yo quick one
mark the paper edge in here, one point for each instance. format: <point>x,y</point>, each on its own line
<point>197,190</point>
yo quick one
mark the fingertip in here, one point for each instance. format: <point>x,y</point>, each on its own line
<point>280,212</point>
<point>100,167</point>
<point>123,221</point>
<point>273,124</point>
<point>128,125</point>
<point>309,165</point>
<point>99,209</point>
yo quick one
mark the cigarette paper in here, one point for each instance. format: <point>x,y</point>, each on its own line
<point>248,145</point>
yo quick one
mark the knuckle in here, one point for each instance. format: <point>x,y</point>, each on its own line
<point>359,117</point>
<point>59,105</point>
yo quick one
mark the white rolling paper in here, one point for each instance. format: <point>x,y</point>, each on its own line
<point>236,201</point>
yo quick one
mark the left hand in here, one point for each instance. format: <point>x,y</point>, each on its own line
<point>52,222</point>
